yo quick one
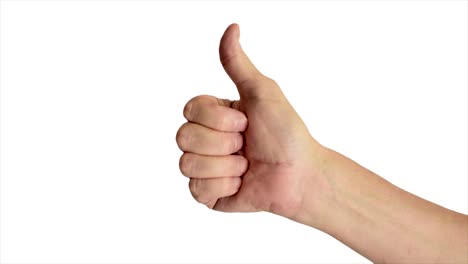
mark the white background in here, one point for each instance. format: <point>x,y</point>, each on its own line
<point>92,95</point>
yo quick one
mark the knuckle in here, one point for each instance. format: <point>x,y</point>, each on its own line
<point>251,82</point>
<point>193,188</point>
<point>196,191</point>
<point>183,136</point>
<point>236,105</point>
<point>200,97</point>
<point>185,164</point>
<point>178,137</point>
<point>188,110</point>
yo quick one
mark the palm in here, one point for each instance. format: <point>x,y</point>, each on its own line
<point>275,141</point>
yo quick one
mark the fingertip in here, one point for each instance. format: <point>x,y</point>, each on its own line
<point>237,183</point>
<point>229,44</point>
<point>243,165</point>
<point>233,30</point>
<point>241,124</point>
<point>236,30</point>
<point>237,143</point>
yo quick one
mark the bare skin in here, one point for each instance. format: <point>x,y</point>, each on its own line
<point>256,154</point>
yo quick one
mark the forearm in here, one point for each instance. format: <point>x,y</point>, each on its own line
<point>381,221</point>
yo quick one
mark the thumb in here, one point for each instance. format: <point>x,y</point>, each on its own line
<point>238,66</point>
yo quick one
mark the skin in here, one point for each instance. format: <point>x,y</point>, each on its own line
<point>256,154</point>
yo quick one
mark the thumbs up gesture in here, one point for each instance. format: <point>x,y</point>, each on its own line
<point>250,155</point>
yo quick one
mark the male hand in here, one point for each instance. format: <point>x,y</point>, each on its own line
<point>254,154</point>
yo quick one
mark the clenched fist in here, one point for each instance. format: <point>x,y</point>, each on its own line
<point>248,155</point>
<point>256,154</point>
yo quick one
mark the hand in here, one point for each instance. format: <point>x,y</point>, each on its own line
<point>256,154</point>
<point>248,155</point>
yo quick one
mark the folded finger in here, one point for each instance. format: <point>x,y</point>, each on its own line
<point>201,166</point>
<point>199,139</point>
<point>207,111</point>
<point>208,190</point>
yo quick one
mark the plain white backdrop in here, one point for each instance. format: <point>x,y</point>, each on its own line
<point>92,95</point>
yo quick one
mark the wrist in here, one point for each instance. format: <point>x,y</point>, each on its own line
<point>318,200</point>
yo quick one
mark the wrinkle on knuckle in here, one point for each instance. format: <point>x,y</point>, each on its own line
<point>179,137</point>
<point>223,102</point>
<point>185,164</point>
<point>188,110</point>
<point>210,203</point>
<point>191,109</point>
<point>193,187</point>
<point>184,136</point>
<point>235,105</point>
<point>198,191</point>
<point>251,82</point>
<point>226,60</point>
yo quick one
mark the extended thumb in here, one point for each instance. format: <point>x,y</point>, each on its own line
<point>236,63</point>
